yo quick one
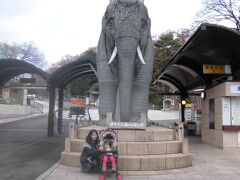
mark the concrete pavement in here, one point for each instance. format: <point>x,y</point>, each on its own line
<point>209,163</point>
<point>25,150</point>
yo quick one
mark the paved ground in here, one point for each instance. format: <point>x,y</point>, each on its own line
<point>27,153</point>
<point>25,150</point>
<point>209,162</point>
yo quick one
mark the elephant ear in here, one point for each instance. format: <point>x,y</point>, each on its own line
<point>146,43</point>
<point>149,57</point>
<point>148,50</point>
<point>106,43</point>
<point>146,34</point>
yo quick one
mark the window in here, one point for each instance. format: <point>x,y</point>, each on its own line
<point>211,114</point>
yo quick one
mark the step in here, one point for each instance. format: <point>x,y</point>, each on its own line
<point>151,134</point>
<point>154,162</point>
<point>143,174</point>
<point>138,148</point>
<point>138,163</point>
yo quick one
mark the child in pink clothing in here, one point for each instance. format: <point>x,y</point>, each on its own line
<point>108,148</point>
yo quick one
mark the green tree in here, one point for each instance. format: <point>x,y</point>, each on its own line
<point>80,86</point>
<point>165,46</point>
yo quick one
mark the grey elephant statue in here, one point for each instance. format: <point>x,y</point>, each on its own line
<point>124,61</point>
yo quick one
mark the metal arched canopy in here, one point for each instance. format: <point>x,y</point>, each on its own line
<point>209,45</point>
<point>73,70</point>
<point>10,68</point>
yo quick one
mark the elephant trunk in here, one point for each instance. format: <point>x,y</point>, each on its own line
<point>127,50</point>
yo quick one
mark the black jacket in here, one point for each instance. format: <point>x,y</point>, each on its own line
<point>89,150</point>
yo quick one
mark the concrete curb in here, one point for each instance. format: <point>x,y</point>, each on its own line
<point>48,172</point>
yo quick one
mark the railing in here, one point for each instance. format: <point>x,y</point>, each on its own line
<point>75,115</point>
<point>35,105</point>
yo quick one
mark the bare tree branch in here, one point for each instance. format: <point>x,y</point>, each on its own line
<point>25,52</point>
<point>216,11</point>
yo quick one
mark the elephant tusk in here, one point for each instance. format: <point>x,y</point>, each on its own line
<point>113,55</point>
<point>140,55</point>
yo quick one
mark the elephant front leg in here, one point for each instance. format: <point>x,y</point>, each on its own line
<point>141,92</point>
<point>139,101</point>
<point>107,94</point>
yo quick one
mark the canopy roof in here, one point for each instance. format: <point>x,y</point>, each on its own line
<point>10,68</point>
<point>209,45</point>
<point>71,71</point>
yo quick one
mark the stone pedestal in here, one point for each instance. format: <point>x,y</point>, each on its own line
<point>152,149</point>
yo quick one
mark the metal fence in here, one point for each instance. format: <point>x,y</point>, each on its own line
<point>63,116</point>
<point>35,105</point>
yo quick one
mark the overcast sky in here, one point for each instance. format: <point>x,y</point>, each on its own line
<point>60,27</point>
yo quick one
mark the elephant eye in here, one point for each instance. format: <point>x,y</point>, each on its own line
<point>110,22</point>
<point>143,23</point>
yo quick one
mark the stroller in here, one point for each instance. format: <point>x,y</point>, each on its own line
<point>109,137</point>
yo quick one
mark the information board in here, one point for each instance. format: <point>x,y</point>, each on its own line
<point>188,114</point>
<point>27,80</point>
<point>226,111</point>
<point>235,106</point>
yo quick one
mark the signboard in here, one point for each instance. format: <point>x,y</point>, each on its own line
<point>235,89</point>
<point>216,69</point>
<point>235,105</point>
<point>77,101</point>
<point>226,111</point>
<point>127,125</point>
<point>188,114</point>
<point>27,80</point>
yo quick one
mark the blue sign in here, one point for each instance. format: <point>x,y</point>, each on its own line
<point>69,98</point>
<point>98,102</point>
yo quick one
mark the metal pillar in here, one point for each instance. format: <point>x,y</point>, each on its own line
<point>60,110</point>
<point>51,111</point>
<point>182,112</point>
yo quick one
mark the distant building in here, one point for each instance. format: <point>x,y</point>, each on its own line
<point>15,92</point>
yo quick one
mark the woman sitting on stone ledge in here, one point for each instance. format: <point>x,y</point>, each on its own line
<point>89,156</point>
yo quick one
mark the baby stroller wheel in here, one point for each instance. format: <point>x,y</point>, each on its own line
<point>102,177</point>
<point>119,176</point>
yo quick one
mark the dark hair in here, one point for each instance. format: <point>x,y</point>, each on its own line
<point>108,136</point>
<point>89,136</point>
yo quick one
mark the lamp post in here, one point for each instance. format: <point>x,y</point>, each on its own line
<point>183,103</point>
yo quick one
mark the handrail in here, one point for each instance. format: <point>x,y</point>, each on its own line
<point>34,104</point>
